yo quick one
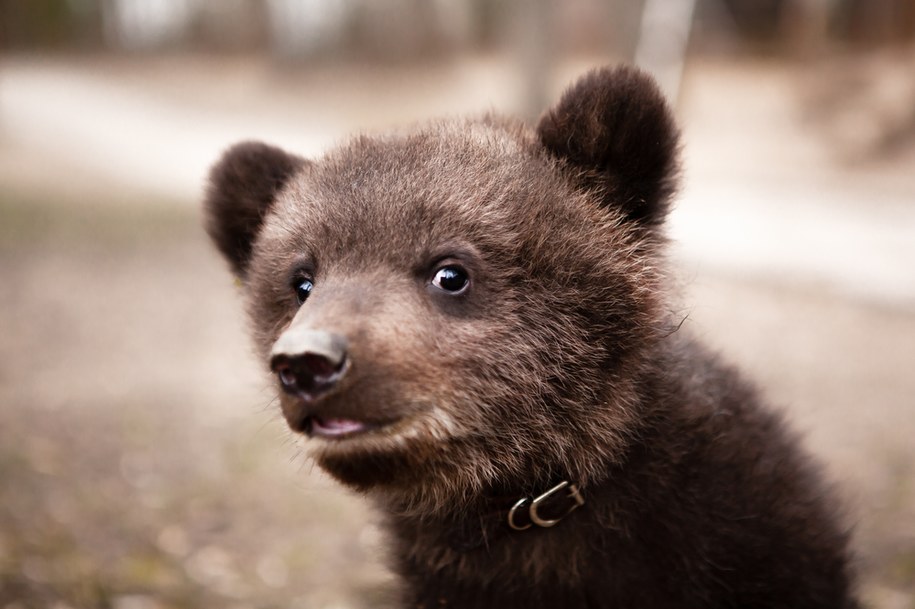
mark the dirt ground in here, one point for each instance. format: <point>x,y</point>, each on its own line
<point>144,465</point>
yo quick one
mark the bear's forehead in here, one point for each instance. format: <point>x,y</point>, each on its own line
<point>467,182</point>
<point>444,161</point>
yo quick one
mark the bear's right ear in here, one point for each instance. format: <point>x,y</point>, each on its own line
<point>243,186</point>
<point>614,128</point>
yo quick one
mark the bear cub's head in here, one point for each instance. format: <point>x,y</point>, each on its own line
<point>467,305</point>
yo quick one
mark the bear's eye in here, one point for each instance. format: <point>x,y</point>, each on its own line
<point>303,287</point>
<point>451,278</point>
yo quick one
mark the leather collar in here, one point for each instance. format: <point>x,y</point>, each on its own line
<point>543,511</point>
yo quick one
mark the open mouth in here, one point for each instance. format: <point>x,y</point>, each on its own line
<point>336,427</point>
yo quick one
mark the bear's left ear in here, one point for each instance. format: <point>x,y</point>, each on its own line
<point>243,187</point>
<point>614,127</point>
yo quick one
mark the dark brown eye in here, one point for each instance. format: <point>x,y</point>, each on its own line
<point>303,287</point>
<point>451,278</point>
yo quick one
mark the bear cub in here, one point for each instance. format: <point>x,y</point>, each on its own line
<point>472,324</point>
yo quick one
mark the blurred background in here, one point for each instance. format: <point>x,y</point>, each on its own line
<point>143,464</point>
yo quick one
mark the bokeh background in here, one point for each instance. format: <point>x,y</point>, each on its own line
<point>143,463</point>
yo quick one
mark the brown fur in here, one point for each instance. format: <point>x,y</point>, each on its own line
<point>560,362</point>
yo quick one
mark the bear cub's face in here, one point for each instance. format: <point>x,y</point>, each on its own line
<point>466,304</point>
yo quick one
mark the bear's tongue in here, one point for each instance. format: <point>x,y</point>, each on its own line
<point>335,427</point>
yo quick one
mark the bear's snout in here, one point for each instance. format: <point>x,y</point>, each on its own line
<point>309,362</point>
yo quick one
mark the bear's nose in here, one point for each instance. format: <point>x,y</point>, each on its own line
<point>309,362</point>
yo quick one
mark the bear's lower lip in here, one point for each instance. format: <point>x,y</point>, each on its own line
<point>336,428</point>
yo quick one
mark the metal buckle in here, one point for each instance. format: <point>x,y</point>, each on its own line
<point>511,515</point>
<point>574,494</point>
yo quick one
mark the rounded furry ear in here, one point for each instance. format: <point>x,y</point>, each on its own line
<point>615,128</point>
<point>243,186</point>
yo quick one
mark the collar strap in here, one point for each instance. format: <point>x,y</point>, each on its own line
<point>545,510</point>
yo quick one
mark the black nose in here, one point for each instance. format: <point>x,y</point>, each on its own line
<point>309,362</point>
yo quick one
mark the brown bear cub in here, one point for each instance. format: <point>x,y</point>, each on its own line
<point>471,323</point>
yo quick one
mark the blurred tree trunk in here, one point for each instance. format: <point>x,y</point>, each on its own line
<point>805,24</point>
<point>536,47</point>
